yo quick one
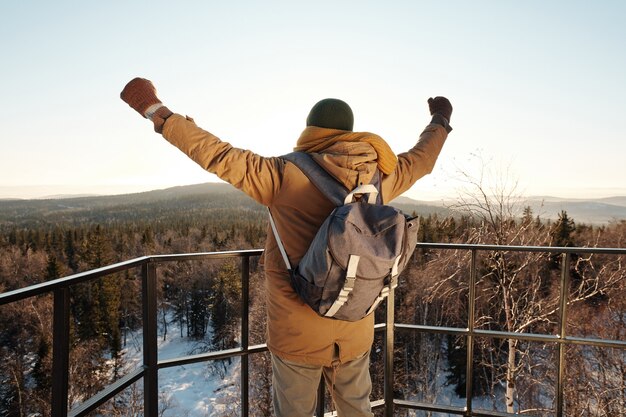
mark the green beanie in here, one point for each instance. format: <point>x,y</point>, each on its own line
<point>331,113</point>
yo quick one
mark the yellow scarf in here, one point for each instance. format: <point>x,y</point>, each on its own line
<point>316,139</point>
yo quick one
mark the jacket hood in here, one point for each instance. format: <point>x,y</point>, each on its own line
<point>351,157</point>
<point>350,163</point>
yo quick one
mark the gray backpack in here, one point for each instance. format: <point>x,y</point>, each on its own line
<point>358,252</point>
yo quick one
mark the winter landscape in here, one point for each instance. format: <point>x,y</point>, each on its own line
<point>199,305</point>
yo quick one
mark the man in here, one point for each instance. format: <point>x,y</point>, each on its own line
<point>304,345</point>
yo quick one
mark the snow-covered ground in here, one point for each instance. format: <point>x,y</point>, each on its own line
<point>191,390</point>
<point>446,396</point>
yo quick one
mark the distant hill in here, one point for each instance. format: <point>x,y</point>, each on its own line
<point>423,208</point>
<point>200,199</point>
<point>593,211</point>
<point>618,201</point>
<point>204,199</point>
<point>209,199</point>
<point>588,211</point>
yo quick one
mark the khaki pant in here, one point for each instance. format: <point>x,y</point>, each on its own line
<point>294,387</point>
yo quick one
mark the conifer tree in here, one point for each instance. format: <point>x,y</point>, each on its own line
<point>199,310</point>
<point>70,251</point>
<point>225,306</point>
<point>97,303</point>
<point>563,230</point>
<point>53,269</point>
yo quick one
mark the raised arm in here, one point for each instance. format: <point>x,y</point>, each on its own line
<point>420,159</point>
<point>257,176</point>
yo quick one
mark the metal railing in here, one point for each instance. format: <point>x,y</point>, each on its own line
<point>151,364</point>
<point>470,332</point>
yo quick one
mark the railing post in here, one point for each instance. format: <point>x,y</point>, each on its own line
<point>60,352</point>
<point>389,339</point>
<point>245,338</point>
<point>469,370</point>
<point>149,303</point>
<point>560,383</point>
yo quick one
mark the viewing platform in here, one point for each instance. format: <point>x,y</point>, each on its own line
<point>387,330</point>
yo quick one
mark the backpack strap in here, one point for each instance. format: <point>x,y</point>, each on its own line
<point>348,286</point>
<point>331,188</point>
<point>387,288</point>
<point>323,181</point>
<point>279,241</point>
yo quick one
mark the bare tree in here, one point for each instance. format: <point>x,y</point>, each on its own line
<point>511,296</point>
<point>517,292</point>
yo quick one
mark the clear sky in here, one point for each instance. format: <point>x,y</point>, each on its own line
<point>538,87</point>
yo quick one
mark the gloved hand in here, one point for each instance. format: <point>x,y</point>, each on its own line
<point>440,105</point>
<point>140,94</point>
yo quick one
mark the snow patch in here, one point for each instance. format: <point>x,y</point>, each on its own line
<point>194,390</point>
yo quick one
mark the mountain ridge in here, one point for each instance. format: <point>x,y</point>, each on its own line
<point>595,211</point>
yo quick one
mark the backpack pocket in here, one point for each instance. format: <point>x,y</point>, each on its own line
<point>360,299</point>
<point>310,293</point>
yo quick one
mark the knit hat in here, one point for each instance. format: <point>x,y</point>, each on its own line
<point>331,113</point>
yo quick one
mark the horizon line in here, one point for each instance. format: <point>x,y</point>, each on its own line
<point>57,191</point>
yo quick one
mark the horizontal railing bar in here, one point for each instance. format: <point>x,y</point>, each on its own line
<point>533,337</point>
<point>429,407</point>
<point>551,338</point>
<point>377,404</point>
<point>620,344</point>
<point>205,255</point>
<point>488,413</point>
<point>451,409</point>
<point>456,331</point>
<point>48,286</point>
<point>107,393</point>
<point>203,357</point>
<point>512,248</point>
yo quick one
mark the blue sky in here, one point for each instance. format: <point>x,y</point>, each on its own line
<point>538,88</point>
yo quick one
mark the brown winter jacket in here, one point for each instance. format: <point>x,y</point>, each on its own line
<point>294,331</point>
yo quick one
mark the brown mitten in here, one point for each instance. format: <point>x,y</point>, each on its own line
<point>140,94</point>
<point>440,105</point>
